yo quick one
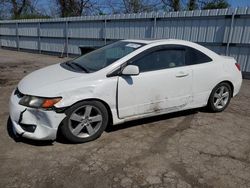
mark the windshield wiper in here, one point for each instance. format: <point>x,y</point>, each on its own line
<point>71,63</point>
<point>80,66</point>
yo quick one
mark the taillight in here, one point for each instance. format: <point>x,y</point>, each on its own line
<point>238,66</point>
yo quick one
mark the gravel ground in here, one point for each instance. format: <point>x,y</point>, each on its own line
<point>186,149</point>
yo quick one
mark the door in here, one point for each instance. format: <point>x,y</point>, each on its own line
<point>164,83</point>
<point>205,75</point>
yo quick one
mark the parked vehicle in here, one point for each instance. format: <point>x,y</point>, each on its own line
<point>123,81</point>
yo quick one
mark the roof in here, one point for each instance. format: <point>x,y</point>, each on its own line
<point>177,42</point>
<point>157,40</point>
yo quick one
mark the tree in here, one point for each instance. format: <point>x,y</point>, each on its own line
<point>132,6</point>
<point>3,10</point>
<point>178,5</point>
<point>137,6</point>
<point>172,5</point>
<point>68,8</point>
<point>18,6</point>
<point>192,5</point>
<point>215,4</point>
<point>18,9</point>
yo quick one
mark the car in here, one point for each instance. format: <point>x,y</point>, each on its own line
<point>120,82</point>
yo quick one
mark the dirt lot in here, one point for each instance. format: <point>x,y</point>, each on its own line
<point>187,149</point>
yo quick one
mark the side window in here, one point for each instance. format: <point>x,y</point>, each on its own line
<point>194,56</point>
<point>161,59</point>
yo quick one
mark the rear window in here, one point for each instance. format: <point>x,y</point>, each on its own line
<point>194,56</point>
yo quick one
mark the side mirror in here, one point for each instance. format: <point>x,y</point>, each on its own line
<point>131,70</point>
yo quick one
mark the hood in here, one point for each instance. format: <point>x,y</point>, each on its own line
<point>42,78</point>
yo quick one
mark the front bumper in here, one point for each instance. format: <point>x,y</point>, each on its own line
<point>45,123</point>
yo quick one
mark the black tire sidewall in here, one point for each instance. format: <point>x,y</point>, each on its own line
<point>65,130</point>
<point>211,98</point>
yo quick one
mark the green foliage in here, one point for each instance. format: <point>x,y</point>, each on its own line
<point>30,16</point>
<point>216,4</point>
<point>192,5</point>
<point>178,5</point>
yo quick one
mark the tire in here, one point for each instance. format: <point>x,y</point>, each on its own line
<point>84,121</point>
<point>219,100</point>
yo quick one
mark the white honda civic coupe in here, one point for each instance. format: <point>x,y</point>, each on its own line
<point>123,81</point>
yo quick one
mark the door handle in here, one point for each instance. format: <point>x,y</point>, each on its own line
<point>181,74</point>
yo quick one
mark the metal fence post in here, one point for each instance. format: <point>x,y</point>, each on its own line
<point>17,37</point>
<point>155,21</point>
<point>230,32</point>
<point>105,31</point>
<point>0,37</point>
<point>39,37</point>
<point>66,38</point>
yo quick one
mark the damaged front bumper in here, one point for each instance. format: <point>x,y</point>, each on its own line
<point>33,123</point>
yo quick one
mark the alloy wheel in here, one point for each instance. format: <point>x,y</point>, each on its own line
<point>85,121</point>
<point>221,97</point>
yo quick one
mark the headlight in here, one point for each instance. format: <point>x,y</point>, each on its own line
<point>38,102</point>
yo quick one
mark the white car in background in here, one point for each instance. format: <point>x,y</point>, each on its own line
<point>123,81</point>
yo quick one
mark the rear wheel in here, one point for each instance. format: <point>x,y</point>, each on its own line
<point>220,97</point>
<point>85,121</point>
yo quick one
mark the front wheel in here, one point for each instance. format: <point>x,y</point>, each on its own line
<point>220,97</point>
<point>85,121</point>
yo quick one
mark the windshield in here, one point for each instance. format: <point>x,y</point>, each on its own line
<point>104,56</point>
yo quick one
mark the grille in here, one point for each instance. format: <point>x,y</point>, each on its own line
<point>28,127</point>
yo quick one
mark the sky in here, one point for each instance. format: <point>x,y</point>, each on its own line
<point>239,3</point>
<point>234,3</point>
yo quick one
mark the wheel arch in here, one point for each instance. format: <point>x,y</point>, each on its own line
<point>231,85</point>
<point>110,116</point>
<point>224,81</point>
